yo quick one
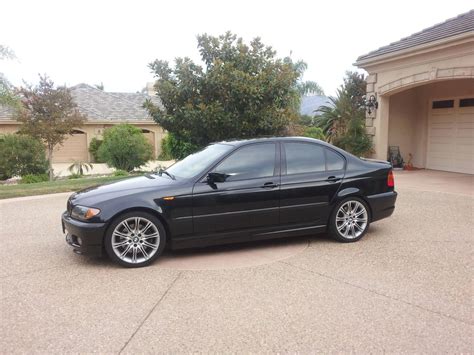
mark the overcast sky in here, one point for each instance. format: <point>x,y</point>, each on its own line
<point>113,41</point>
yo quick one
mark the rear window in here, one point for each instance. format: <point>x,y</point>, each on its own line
<point>333,160</point>
<point>310,158</point>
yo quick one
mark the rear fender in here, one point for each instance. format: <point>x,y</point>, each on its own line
<point>349,192</point>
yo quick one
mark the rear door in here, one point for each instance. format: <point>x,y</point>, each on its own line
<point>311,176</point>
<point>248,198</point>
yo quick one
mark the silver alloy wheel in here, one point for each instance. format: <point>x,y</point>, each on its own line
<point>135,240</point>
<point>351,219</point>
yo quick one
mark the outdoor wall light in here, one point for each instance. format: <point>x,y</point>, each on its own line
<point>371,104</point>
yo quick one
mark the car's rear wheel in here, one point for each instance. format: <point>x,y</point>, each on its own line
<point>135,239</point>
<point>350,220</point>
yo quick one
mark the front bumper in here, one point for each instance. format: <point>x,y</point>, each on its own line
<point>382,205</point>
<point>84,238</point>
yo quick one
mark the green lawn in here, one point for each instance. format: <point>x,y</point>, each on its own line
<point>41,188</point>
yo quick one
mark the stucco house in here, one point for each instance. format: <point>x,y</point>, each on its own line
<point>103,110</point>
<point>424,87</point>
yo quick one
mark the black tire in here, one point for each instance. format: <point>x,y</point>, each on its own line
<point>340,234</point>
<point>140,251</point>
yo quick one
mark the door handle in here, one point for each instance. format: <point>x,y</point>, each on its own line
<point>269,185</point>
<point>333,179</point>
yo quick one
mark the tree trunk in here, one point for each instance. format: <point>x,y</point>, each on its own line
<point>50,162</point>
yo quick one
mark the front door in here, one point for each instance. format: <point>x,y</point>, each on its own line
<point>311,176</point>
<point>249,196</point>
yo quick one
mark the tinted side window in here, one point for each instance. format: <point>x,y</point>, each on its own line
<point>334,161</point>
<point>250,162</point>
<point>304,158</point>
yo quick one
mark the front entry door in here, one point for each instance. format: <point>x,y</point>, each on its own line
<point>249,196</point>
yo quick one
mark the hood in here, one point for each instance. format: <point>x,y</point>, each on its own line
<point>121,188</point>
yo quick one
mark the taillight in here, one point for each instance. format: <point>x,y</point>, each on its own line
<point>390,179</point>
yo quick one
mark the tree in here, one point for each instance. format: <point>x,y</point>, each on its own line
<point>21,155</point>
<point>343,123</point>
<point>306,87</point>
<point>49,114</point>
<point>100,86</point>
<point>79,167</point>
<point>241,91</point>
<point>7,97</point>
<point>125,147</point>
<point>314,132</point>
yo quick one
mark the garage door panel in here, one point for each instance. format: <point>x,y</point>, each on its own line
<point>465,133</point>
<point>451,140</point>
<point>440,142</point>
<point>463,165</point>
<point>464,141</point>
<point>74,148</point>
<point>440,127</point>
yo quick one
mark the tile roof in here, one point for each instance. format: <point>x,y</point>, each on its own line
<point>463,23</point>
<point>6,112</point>
<point>102,105</point>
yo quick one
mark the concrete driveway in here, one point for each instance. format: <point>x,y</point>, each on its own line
<point>405,287</point>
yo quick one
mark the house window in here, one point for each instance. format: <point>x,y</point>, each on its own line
<point>466,102</point>
<point>443,104</point>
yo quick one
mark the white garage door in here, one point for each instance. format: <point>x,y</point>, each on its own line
<point>74,148</point>
<point>451,136</point>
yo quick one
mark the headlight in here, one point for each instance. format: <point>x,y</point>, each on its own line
<point>84,213</point>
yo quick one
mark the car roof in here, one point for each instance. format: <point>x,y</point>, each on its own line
<point>239,142</point>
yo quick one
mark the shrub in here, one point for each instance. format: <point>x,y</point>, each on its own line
<point>165,149</point>
<point>34,178</point>
<point>94,149</point>
<point>314,132</point>
<point>174,148</point>
<point>21,155</point>
<point>120,173</point>
<point>125,147</point>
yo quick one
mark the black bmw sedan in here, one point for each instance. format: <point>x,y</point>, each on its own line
<point>232,192</point>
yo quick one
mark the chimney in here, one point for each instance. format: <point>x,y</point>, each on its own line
<point>150,89</point>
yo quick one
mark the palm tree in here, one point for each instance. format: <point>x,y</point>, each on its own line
<point>343,122</point>
<point>79,167</point>
<point>334,119</point>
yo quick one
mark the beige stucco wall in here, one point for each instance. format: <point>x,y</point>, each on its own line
<point>96,129</point>
<point>409,110</point>
<point>403,117</point>
<point>402,84</point>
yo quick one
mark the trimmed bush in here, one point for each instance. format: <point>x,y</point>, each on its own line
<point>21,155</point>
<point>94,149</point>
<point>125,147</point>
<point>34,178</point>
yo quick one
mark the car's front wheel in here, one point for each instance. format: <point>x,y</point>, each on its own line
<point>135,239</point>
<point>350,220</point>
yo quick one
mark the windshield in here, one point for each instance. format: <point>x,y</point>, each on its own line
<point>195,163</point>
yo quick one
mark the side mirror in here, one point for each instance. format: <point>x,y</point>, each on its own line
<point>216,177</point>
